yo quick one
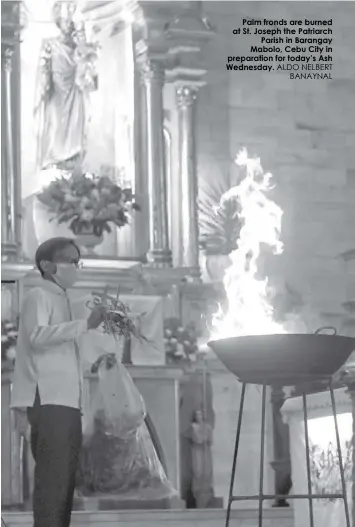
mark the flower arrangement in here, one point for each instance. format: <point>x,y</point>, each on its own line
<point>9,333</point>
<point>180,342</point>
<point>325,469</point>
<point>89,202</point>
<point>118,320</point>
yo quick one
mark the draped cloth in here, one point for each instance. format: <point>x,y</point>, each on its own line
<point>325,475</point>
<point>61,107</point>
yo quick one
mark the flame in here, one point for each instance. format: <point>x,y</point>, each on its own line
<point>249,312</point>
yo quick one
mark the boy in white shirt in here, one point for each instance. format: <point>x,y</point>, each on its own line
<point>48,380</point>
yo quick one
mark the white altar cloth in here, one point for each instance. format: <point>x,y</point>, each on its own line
<point>322,434</point>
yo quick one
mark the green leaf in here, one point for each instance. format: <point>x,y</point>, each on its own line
<point>218,221</point>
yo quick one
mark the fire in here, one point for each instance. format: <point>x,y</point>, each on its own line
<point>249,311</point>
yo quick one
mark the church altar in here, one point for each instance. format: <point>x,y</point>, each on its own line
<point>159,387</point>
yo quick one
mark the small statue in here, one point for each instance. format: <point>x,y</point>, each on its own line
<point>66,76</point>
<point>202,465</point>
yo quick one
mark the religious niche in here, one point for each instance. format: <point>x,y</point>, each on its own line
<point>77,119</point>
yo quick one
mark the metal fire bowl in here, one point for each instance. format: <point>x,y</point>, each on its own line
<point>283,359</point>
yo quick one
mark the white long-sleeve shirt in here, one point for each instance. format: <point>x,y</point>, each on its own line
<point>50,350</point>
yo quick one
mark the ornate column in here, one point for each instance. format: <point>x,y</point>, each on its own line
<point>153,76</point>
<point>10,165</point>
<point>186,35</point>
<point>185,99</point>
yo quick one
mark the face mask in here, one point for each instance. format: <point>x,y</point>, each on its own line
<point>66,275</point>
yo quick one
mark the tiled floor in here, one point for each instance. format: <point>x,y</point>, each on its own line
<point>170,518</point>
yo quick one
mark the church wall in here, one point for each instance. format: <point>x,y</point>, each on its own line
<point>304,132</point>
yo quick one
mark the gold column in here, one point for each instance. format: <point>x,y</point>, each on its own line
<point>8,185</point>
<point>185,100</point>
<point>10,130</point>
<point>186,34</point>
<point>153,72</point>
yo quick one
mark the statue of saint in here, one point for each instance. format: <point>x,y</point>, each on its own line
<point>66,76</point>
<point>202,465</point>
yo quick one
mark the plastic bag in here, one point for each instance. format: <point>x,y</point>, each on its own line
<point>117,406</point>
<point>128,468</point>
<point>118,455</point>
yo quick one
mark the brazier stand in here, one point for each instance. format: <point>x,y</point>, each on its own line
<point>285,360</point>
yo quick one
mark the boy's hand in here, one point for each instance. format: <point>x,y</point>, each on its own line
<point>109,359</point>
<point>96,317</point>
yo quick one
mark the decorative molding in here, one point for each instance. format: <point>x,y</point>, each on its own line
<point>183,48</point>
<point>186,95</point>
<point>146,518</point>
<point>6,57</point>
<point>15,270</point>
<point>13,18</point>
<point>149,372</point>
<point>318,403</point>
<point>192,23</point>
<point>186,76</point>
<point>152,70</point>
<point>99,274</point>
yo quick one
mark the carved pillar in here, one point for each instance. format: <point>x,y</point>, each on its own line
<point>187,33</point>
<point>8,198</point>
<point>282,458</point>
<point>10,132</point>
<point>185,99</point>
<point>153,73</point>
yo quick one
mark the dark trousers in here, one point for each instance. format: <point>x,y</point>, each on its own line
<point>56,437</point>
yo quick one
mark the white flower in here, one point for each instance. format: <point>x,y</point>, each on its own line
<point>180,329</point>
<point>4,338</point>
<point>87,215</point>
<point>11,353</point>
<point>68,198</point>
<point>128,206</point>
<point>203,349</point>
<point>95,194</point>
<point>168,333</point>
<point>9,325</point>
<point>12,333</point>
<point>186,343</point>
<point>85,202</point>
<point>180,351</point>
<point>173,341</point>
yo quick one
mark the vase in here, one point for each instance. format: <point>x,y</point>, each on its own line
<point>87,242</point>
